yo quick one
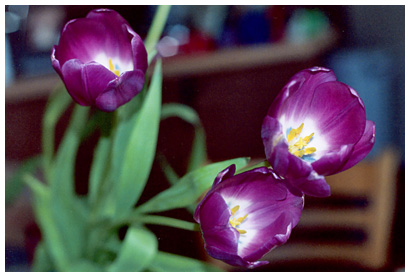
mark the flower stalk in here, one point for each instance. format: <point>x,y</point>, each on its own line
<point>159,220</point>
<point>158,24</point>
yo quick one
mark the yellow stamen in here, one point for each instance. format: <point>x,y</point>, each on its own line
<point>310,150</point>
<point>299,129</point>
<point>291,135</point>
<point>234,209</point>
<point>112,68</point>
<point>235,222</point>
<point>298,148</point>
<point>300,144</point>
<point>299,153</point>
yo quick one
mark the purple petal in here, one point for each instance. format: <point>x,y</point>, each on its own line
<point>96,78</point>
<point>331,162</point>
<point>294,99</point>
<point>85,82</point>
<point>54,62</point>
<point>117,29</point>
<point>314,185</point>
<point>216,230</point>
<point>81,39</point>
<point>72,72</point>
<point>363,146</point>
<point>338,113</point>
<point>233,259</point>
<point>270,237</point>
<point>115,25</point>
<point>257,185</point>
<point>300,175</point>
<point>139,53</point>
<point>121,90</point>
<point>214,213</point>
<point>271,134</point>
<point>102,31</point>
<point>224,174</point>
<point>272,213</point>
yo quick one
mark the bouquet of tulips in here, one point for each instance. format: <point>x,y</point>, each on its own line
<point>315,127</point>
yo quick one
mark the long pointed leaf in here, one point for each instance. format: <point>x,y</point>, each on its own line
<point>133,157</point>
<point>67,213</point>
<point>189,188</point>
<point>51,235</point>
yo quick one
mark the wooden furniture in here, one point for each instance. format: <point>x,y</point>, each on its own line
<point>354,224</point>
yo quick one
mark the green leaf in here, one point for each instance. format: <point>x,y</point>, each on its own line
<point>53,239</point>
<point>186,113</point>
<point>62,182</point>
<point>189,188</point>
<point>137,251</point>
<point>157,26</point>
<point>198,152</point>
<point>99,168</point>
<point>134,150</point>
<point>42,261</point>
<point>56,106</point>
<point>169,172</point>
<point>167,262</point>
<point>84,265</point>
<point>68,214</point>
<point>125,112</point>
<point>15,184</point>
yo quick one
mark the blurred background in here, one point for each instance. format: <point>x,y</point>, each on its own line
<point>228,63</point>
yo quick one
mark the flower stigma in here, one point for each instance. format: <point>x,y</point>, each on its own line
<point>297,144</point>
<point>235,222</point>
<point>113,68</point>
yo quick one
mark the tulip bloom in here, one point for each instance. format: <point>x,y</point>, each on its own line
<point>245,216</point>
<point>315,127</point>
<point>101,60</point>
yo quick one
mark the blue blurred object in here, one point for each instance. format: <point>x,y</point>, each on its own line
<point>9,68</point>
<point>16,260</point>
<point>372,74</point>
<point>253,27</point>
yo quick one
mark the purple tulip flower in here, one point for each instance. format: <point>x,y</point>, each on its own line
<point>315,127</point>
<point>101,60</point>
<point>245,216</point>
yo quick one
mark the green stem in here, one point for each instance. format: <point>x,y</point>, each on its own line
<point>97,201</point>
<point>33,182</point>
<point>165,221</point>
<point>152,55</point>
<point>265,163</point>
<point>157,26</point>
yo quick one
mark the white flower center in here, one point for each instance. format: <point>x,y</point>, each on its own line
<point>298,144</point>
<point>237,221</point>
<point>114,64</point>
<point>304,138</point>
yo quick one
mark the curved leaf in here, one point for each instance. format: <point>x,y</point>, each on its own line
<point>137,251</point>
